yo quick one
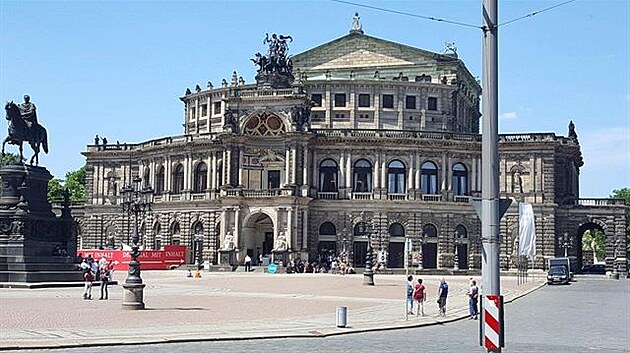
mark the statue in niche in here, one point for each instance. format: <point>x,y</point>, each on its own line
<point>517,182</point>
<point>231,121</point>
<point>300,116</point>
<point>229,241</point>
<point>281,242</point>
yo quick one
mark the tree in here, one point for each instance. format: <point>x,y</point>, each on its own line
<point>624,193</point>
<point>594,240</point>
<point>74,182</point>
<point>9,158</point>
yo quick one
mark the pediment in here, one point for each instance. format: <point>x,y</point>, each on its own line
<point>363,58</point>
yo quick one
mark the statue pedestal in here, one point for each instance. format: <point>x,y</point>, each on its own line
<point>227,260</point>
<point>35,245</point>
<point>280,255</point>
<point>133,296</point>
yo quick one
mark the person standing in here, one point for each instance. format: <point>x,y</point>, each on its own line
<point>105,277</point>
<point>410,295</point>
<point>248,263</point>
<point>419,296</point>
<point>442,294</point>
<point>88,276</point>
<point>473,295</point>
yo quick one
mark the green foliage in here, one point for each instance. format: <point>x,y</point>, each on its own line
<point>624,193</point>
<point>75,182</point>
<point>9,158</point>
<point>596,241</point>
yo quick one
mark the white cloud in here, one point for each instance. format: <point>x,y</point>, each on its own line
<point>508,116</point>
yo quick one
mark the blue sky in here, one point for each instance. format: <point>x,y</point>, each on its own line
<point>117,68</point>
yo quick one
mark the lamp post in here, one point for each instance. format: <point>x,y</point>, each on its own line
<point>136,201</point>
<point>368,274</point>
<point>456,254</point>
<point>566,244</point>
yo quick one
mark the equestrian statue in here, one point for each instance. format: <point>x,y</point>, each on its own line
<point>23,126</point>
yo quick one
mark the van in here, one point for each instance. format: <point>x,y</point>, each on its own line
<point>561,261</point>
<point>558,274</point>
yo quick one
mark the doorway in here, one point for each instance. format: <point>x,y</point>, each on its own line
<point>396,258</point>
<point>360,250</point>
<point>429,255</point>
<point>462,256</point>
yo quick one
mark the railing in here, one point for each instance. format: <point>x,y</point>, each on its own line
<point>374,133</point>
<point>361,195</point>
<point>600,202</point>
<point>461,198</point>
<point>396,197</point>
<point>265,93</point>
<point>198,196</point>
<point>176,197</point>
<point>260,193</point>
<point>432,198</point>
<point>327,195</point>
<point>158,198</point>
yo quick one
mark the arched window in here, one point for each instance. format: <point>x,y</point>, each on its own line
<point>200,181</point>
<point>429,231</point>
<point>175,234</point>
<point>178,179</point>
<point>460,232</point>
<point>362,176</point>
<point>460,179</point>
<point>328,173</point>
<point>396,230</point>
<point>327,228</point>
<point>396,177</point>
<point>159,181</point>
<point>264,124</point>
<point>157,230</point>
<point>429,178</point>
<point>198,229</point>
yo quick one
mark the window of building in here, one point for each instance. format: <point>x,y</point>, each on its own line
<point>217,108</point>
<point>273,179</point>
<point>432,103</point>
<point>396,230</point>
<point>317,99</point>
<point>159,181</point>
<point>328,172</point>
<point>429,230</point>
<point>396,177</point>
<point>264,124</point>
<point>460,179</point>
<point>146,181</point>
<point>175,234</point>
<point>192,113</point>
<point>327,228</point>
<point>460,232</point>
<point>340,116</point>
<point>364,116</point>
<point>429,178</point>
<point>362,176</point>
<point>364,100</point>
<point>178,179</point>
<point>201,178</point>
<point>340,99</point>
<point>388,101</point>
<point>410,102</point>
<point>204,110</point>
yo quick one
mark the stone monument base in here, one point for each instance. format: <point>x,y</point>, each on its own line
<point>227,260</point>
<point>134,296</point>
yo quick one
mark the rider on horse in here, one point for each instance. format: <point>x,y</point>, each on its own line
<point>29,114</point>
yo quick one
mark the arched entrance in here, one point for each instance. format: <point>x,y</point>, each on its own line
<point>257,236</point>
<point>429,246</point>
<point>588,248</point>
<point>396,247</point>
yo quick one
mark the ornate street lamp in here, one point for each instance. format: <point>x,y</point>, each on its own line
<point>136,201</point>
<point>456,253</point>
<point>567,244</point>
<point>368,274</point>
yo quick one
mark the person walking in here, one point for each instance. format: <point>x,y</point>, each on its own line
<point>442,294</point>
<point>248,263</point>
<point>473,295</point>
<point>419,296</point>
<point>105,277</point>
<point>410,295</point>
<point>88,276</point>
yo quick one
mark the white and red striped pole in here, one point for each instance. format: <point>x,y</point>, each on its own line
<point>492,321</point>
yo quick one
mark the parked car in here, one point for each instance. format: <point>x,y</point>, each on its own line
<point>558,274</point>
<point>599,269</point>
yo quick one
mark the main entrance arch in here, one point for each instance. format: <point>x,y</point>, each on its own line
<point>257,236</point>
<point>589,255</point>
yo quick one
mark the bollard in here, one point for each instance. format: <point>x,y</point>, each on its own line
<point>342,316</point>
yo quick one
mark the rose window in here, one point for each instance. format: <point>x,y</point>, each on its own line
<point>264,124</point>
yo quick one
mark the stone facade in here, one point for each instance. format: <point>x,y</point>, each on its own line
<point>370,131</point>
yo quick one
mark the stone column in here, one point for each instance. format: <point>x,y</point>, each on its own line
<point>383,172</point>
<point>293,164</point>
<point>227,164</point>
<point>237,227</point>
<point>349,170</point>
<point>289,234</point>
<point>213,170</point>
<point>305,229</point>
<point>287,158</point>
<point>342,171</point>
<point>240,165</point>
<point>305,176</point>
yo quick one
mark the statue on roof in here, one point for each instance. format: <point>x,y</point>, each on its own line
<point>572,133</point>
<point>356,24</point>
<point>276,68</point>
<point>450,49</point>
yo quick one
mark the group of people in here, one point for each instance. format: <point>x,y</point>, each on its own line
<point>416,293</point>
<point>101,270</point>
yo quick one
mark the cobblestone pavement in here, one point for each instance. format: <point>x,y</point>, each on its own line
<point>221,306</point>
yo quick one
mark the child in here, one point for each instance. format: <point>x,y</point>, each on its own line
<point>87,290</point>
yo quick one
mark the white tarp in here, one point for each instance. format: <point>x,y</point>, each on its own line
<point>526,231</point>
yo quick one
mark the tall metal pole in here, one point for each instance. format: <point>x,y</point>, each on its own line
<point>489,155</point>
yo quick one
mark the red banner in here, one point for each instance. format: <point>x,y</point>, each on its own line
<point>171,256</point>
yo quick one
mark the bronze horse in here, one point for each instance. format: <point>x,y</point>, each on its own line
<point>19,132</point>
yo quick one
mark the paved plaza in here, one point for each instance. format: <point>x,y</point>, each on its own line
<point>224,306</point>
